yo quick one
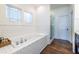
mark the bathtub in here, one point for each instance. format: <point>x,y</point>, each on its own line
<point>34,44</point>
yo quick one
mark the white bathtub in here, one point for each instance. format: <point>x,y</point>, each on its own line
<point>34,45</point>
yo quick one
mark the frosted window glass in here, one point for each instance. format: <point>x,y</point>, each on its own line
<point>13,14</point>
<point>28,17</point>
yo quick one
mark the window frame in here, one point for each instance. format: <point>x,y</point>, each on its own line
<point>27,21</point>
<point>8,15</point>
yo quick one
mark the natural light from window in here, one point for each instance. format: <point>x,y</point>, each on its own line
<point>13,14</point>
<point>28,17</point>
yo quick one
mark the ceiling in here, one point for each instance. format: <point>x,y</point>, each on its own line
<point>53,6</point>
<point>28,5</point>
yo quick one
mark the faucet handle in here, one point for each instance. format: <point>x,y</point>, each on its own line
<point>21,40</point>
<point>25,40</point>
<point>17,43</point>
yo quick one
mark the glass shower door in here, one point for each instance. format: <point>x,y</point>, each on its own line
<point>52,22</point>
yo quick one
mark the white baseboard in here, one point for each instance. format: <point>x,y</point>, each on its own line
<point>51,40</point>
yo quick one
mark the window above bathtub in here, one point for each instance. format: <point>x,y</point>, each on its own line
<point>28,17</point>
<point>17,16</point>
<point>13,14</point>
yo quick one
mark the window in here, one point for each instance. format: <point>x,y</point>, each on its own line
<point>27,17</point>
<point>14,14</point>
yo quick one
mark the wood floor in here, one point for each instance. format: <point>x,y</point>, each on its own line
<point>58,46</point>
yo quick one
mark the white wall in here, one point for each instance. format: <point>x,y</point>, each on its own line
<point>43,19</point>
<point>76,22</point>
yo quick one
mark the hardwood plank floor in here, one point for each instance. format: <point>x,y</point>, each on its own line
<point>58,46</point>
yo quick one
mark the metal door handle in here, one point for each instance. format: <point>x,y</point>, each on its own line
<point>67,29</point>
